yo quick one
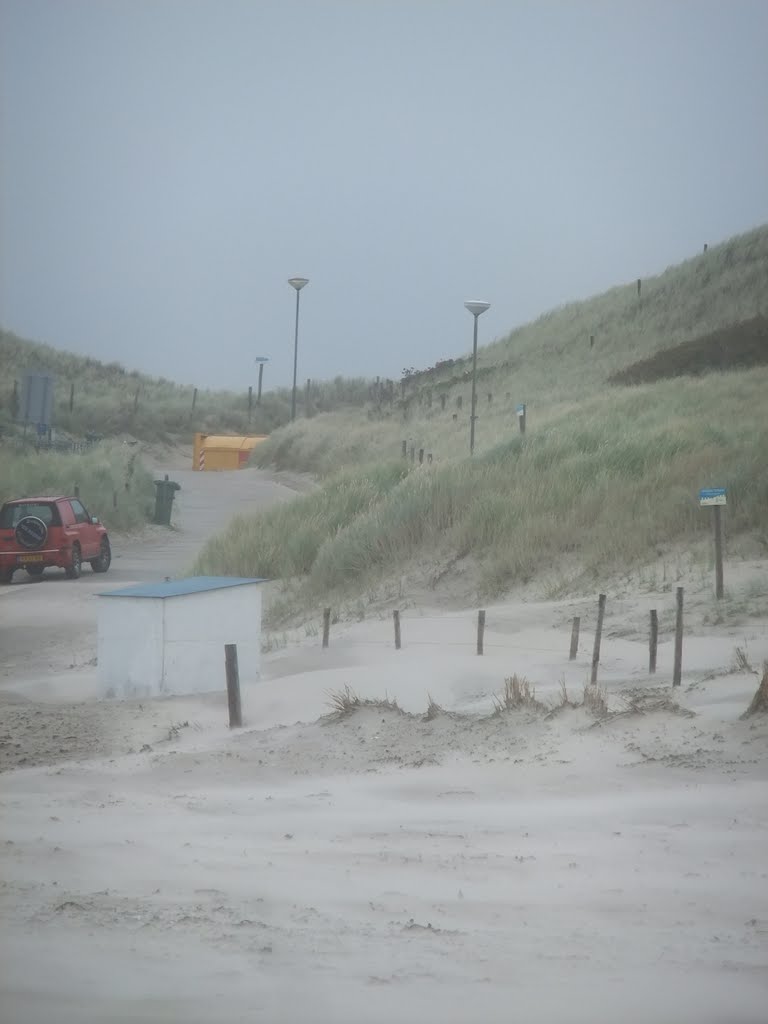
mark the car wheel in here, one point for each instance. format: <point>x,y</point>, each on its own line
<point>6,575</point>
<point>73,569</point>
<point>35,570</point>
<point>102,563</point>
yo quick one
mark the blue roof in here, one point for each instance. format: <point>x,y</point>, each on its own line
<point>178,588</point>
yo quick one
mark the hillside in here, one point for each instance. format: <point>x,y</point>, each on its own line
<point>109,400</point>
<point>604,477</point>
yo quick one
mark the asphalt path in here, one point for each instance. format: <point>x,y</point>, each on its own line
<point>48,624</point>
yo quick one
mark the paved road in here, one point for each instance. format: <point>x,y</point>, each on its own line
<point>48,625</point>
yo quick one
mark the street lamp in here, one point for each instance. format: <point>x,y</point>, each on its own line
<point>297,283</point>
<point>475,308</point>
<point>260,360</point>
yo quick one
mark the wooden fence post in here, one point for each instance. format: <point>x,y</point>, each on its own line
<point>413,453</point>
<point>653,642</point>
<point>396,618</point>
<point>405,449</point>
<point>480,630</point>
<point>574,638</point>
<point>77,491</point>
<point>326,626</point>
<point>250,403</point>
<point>71,396</point>
<point>194,399</point>
<point>233,686</point>
<point>598,637</point>
<point>718,552</point>
<point>421,456</point>
<point>678,669</point>
<point>114,499</point>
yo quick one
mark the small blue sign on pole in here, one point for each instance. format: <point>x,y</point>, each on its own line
<point>712,496</point>
<point>520,410</point>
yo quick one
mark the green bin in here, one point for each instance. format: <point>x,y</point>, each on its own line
<point>164,494</point>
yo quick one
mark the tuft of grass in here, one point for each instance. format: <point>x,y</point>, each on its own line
<point>595,700</point>
<point>741,662</point>
<point>345,702</point>
<point>434,710</point>
<point>517,693</point>
<point>759,703</point>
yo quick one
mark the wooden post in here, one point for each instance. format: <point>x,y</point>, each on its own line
<point>114,499</point>
<point>405,449</point>
<point>194,399</point>
<point>413,453</point>
<point>705,247</point>
<point>574,638</point>
<point>639,283</point>
<point>396,618</point>
<point>326,626</point>
<point>250,402</point>
<point>233,686</point>
<point>77,491</point>
<point>653,642</point>
<point>442,401</point>
<point>718,552</point>
<point>429,458</point>
<point>678,670</point>
<point>306,404</point>
<point>591,341</point>
<point>71,396</point>
<point>598,637</point>
<point>480,630</point>
<point>421,456</point>
<point>261,378</point>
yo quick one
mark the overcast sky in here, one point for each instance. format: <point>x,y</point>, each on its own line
<point>168,164</point>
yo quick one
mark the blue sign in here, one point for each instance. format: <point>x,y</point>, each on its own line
<point>712,496</point>
<point>520,410</point>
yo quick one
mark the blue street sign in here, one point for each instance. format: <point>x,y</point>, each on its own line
<point>520,410</point>
<point>712,496</point>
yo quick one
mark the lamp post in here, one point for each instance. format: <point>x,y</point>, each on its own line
<point>297,283</point>
<point>475,308</point>
<point>260,360</point>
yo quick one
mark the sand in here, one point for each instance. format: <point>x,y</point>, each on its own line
<point>533,865</point>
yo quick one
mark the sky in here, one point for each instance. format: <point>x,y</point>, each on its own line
<point>167,165</point>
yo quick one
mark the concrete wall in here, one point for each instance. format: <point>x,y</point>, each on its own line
<point>153,647</point>
<point>130,646</point>
<point>196,628</point>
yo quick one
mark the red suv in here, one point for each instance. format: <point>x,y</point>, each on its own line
<point>37,532</point>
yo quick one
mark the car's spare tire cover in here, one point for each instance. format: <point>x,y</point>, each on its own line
<point>31,532</point>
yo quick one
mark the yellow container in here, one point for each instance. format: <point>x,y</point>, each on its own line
<point>216,452</point>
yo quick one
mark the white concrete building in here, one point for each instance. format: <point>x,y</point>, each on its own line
<point>158,639</point>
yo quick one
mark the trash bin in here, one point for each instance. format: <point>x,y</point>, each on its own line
<point>164,495</point>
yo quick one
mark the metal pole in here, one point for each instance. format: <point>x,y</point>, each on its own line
<point>261,375</point>
<point>295,356</point>
<point>474,390</point>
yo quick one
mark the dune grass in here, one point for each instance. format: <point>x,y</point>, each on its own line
<point>109,400</point>
<point>606,483</point>
<point>112,482</point>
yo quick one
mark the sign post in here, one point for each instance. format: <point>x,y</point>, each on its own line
<point>715,498</point>
<point>521,410</point>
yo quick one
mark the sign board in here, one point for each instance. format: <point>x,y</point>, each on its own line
<point>520,410</point>
<point>712,496</point>
<point>36,404</point>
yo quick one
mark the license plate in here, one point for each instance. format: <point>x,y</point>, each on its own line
<point>29,558</point>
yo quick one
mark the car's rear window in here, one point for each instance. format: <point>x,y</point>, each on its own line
<point>11,514</point>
